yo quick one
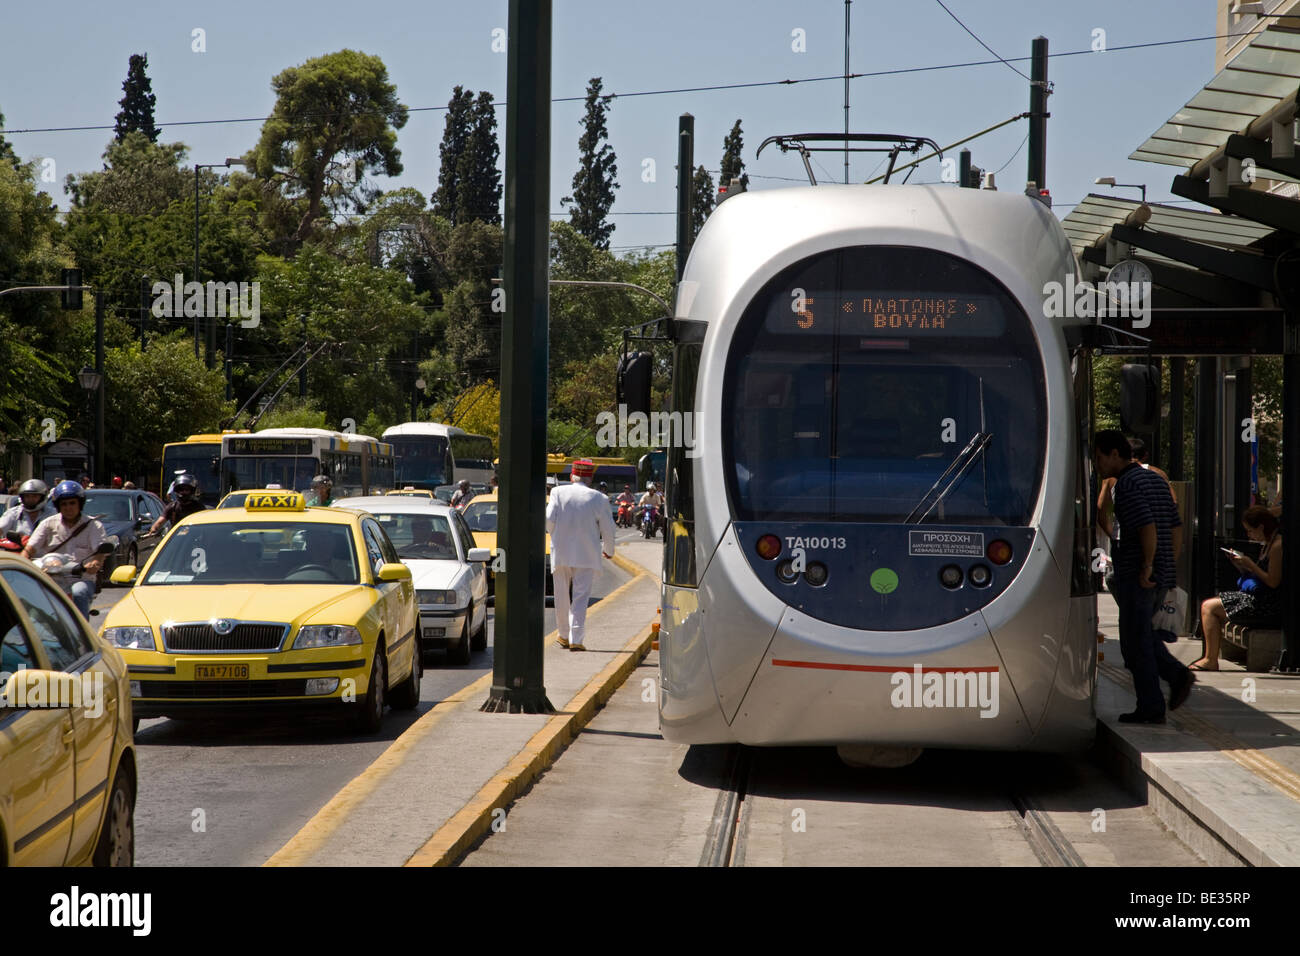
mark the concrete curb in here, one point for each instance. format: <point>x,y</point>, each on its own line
<point>475,819</point>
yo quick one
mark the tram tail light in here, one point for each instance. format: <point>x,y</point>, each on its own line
<point>768,547</point>
<point>999,551</point>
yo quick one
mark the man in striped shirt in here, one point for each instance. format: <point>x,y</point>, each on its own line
<point>1150,536</point>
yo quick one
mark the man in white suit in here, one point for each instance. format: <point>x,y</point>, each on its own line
<point>577,516</point>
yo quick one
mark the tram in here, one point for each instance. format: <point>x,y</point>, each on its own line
<point>881,538</point>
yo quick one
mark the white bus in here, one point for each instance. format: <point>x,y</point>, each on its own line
<point>291,457</point>
<point>430,455</point>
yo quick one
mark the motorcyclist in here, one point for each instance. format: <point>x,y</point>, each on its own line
<point>462,495</point>
<point>187,502</point>
<point>31,510</point>
<point>322,491</point>
<point>70,532</point>
<point>651,497</point>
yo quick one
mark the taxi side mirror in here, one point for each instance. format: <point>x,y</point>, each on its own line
<point>31,688</point>
<point>394,572</point>
<point>123,574</point>
<point>478,554</point>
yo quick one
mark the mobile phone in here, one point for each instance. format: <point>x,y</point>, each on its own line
<point>1235,554</point>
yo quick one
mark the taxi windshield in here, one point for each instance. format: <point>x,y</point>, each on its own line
<point>481,516</point>
<point>422,537</point>
<point>290,552</point>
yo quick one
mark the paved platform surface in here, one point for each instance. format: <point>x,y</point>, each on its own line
<point>452,774</point>
<point>1224,771</point>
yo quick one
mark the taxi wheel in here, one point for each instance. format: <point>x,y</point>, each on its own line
<point>459,654</point>
<point>479,641</point>
<point>116,846</point>
<point>407,696</point>
<point>371,717</point>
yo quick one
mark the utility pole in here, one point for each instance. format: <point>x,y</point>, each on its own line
<point>517,657</point>
<point>230,367</point>
<point>685,188</point>
<point>1038,91</point>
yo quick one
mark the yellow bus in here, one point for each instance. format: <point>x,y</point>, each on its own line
<point>200,455</point>
<point>615,472</point>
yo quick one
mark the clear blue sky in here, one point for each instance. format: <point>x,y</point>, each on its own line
<point>64,67</point>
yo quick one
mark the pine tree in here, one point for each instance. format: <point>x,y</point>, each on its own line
<point>137,101</point>
<point>455,134</point>
<point>733,166</point>
<point>594,182</point>
<point>703,198</point>
<point>478,181</point>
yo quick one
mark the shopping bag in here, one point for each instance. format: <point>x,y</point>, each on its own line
<point>1171,612</point>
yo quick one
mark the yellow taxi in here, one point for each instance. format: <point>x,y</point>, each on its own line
<point>67,759</point>
<point>272,605</point>
<point>409,492</point>
<point>481,516</point>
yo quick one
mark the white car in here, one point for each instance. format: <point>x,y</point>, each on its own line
<point>448,571</point>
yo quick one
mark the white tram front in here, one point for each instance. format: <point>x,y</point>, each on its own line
<point>881,535</point>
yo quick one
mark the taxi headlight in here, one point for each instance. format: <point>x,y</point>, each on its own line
<point>326,635</point>
<point>131,638</point>
<point>436,597</point>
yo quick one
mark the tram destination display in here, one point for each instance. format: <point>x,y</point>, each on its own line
<point>895,314</point>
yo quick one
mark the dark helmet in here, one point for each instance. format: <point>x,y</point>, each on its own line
<point>463,485</point>
<point>68,489</point>
<point>185,480</point>
<point>322,480</point>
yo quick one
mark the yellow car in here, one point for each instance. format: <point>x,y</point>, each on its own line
<point>409,492</point>
<point>481,516</point>
<point>270,606</point>
<point>67,760</point>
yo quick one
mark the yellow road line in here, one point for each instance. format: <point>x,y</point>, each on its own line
<point>1285,779</point>
<point>315,832</point>
<point>476,817</point>
<point>307,841</point>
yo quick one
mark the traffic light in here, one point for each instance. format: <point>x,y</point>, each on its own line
<point>70,299</point>
<point>634,381</point>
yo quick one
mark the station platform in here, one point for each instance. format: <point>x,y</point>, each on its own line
<point>451,777</point>
<point>1223,772</point>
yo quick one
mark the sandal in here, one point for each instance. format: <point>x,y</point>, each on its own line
<point>563,642</point>
<point>1198,667</point>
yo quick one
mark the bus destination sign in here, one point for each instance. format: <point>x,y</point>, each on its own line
<point>269,446</point>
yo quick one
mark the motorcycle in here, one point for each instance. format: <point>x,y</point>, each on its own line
<point>624,517</point>
<point>65,570</point>
<point>13,542</point>
<point>649,520</point>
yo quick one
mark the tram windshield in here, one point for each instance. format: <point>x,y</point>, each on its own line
<point>885,384</point>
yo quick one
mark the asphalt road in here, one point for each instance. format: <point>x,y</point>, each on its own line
<point>224,793</point>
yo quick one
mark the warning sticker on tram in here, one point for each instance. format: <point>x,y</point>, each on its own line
<point>961,544</point>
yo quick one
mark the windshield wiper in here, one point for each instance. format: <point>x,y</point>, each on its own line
<point>957,470</point>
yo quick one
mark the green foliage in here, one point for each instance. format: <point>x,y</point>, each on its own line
<point>7,154</point>
<point>469,182</point>
<point>477,410</point>
<point>455,134</point>
<point>290,411</point>
<point>139,178</point>
<point>335,119</point>
<point>733,166</point>
<point>151,397</point>
<point>703,196</point>
<point>596,179</point>
<point>137,101</point>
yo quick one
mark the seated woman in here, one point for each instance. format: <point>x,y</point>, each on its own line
<point>1257,603</point>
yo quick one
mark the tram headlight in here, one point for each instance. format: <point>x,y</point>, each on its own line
<point>999,551</point>
<point>816,574</point>
<point>950,576</point>
<point>785,572</point>
<point>980,576</point>
<point>768,547</point>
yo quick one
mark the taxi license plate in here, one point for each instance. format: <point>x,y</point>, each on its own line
<point>435,632</point>
<point>221,672</point>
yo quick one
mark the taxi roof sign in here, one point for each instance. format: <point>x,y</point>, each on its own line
<point>275,501</point>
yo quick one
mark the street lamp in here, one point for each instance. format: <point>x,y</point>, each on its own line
<point>1110,181</point>
<point>89,380</point>
<point>230,161</point>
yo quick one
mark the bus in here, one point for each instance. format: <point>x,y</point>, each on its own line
<point>200,455</point>
<point>615,472</point>
<point>651,466</point>
<point>430,455</point>
<point>291,457</point>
